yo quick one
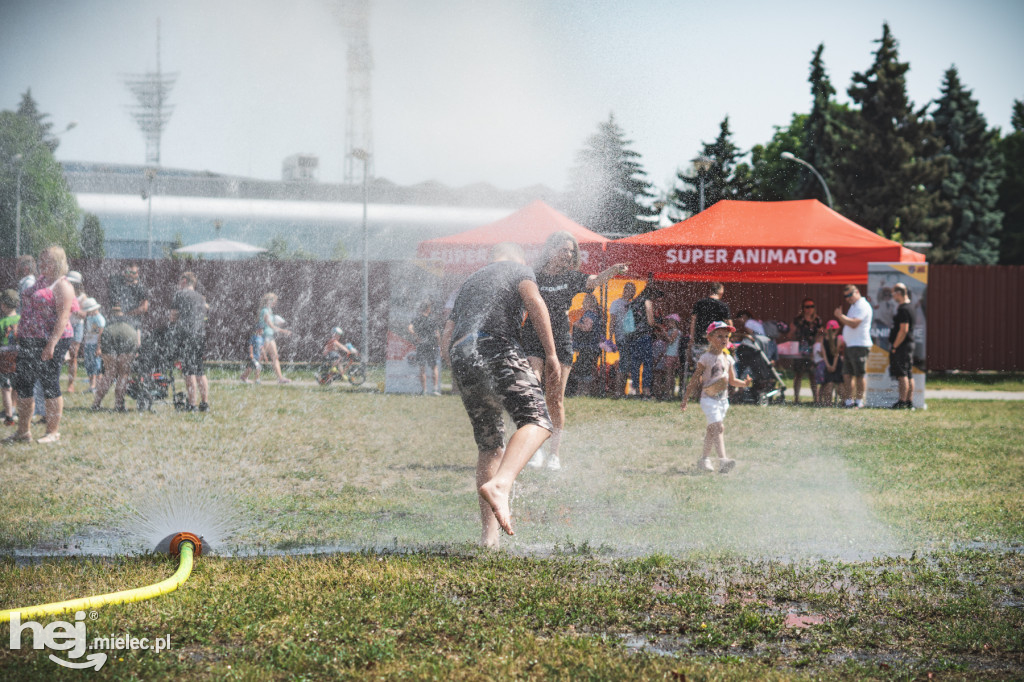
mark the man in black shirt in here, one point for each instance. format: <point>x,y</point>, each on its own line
<point>489,368</point>
<point>901,345</point>
<point>706,311</point>
<point>128,292</point>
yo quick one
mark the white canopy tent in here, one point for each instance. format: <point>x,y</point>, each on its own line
<point>221,248</point>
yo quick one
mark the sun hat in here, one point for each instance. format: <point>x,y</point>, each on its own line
<point>90,304</point>
<point>831,324</point>
<point>719,325</point>
<point>75,277</point>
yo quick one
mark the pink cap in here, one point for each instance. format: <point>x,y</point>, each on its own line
<point>719,325</point>
<point>832,324</point>
<point>673,316</point>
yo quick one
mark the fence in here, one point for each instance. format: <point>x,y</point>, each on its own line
<point>975,319</point>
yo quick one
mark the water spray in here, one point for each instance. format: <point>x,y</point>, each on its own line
<point>187,546</point>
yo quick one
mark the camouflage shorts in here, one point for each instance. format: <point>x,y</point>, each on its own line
<point>492,374</point>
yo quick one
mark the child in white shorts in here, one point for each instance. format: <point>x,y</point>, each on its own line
<point>714,375</point>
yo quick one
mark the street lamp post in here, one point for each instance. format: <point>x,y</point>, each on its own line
<point>788,156</point>
<point>17,209</point>
<point>364,156</point>
<point>19,159</point>
<point>150,177</point>
<point>703,165</point>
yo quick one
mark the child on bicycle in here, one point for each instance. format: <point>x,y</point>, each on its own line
<point>337,353</point>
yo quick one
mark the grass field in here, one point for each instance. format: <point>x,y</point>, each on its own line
<point>845,543</point>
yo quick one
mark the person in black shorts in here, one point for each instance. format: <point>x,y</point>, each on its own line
<point>901,344</point>
<point>426,333</point>
<point>490,371</point>
<point>188,315</point>
<point>559,280</point>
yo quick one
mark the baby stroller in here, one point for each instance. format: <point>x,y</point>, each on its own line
<point>152,377</point>
<point>752,361</point>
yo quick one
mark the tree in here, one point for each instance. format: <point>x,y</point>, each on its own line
<point>92,237</point>
<point>772,178</point>
<point>49,212</point>
<point>889,179</point>
<point>975,170</point>
<point>723,179</point>
<point>824,132</point>
<point>278,248</point>
<point>608,186</point>
<point>30,110</point>
<point>1011,190</point>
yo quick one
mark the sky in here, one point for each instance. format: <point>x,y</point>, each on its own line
<point>465,91</point>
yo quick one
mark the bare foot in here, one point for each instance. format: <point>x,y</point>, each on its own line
<point>498,499</point>
<point>488,541</point>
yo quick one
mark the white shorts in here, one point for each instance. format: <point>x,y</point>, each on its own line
<point>715,408</point>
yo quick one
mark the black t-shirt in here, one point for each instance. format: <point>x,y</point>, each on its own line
<point>126,294</point>
<point>639,308</point>
<point>489,302</point>
<point>904,314</point>
<point>191,307</point>
<point>708,310</point>
<point>426,328</point>
<point>558,292</point>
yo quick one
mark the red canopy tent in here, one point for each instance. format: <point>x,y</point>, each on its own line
<point>798,242</point>
<point>529,227</point>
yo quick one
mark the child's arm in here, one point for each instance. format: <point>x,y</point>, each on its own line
<point>695,381</point>
<point>733,381</point>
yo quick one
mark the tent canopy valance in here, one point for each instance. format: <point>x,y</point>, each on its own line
<point>529,227</point>
<point>756,241</point>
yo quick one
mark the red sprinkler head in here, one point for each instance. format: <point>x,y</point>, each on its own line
<point>185,536</point>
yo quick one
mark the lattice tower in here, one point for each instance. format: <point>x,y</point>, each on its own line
<point>152,90</point>
<point>354,16</point>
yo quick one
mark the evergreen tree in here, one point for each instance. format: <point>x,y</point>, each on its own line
<point>971,185</point>
<point>30,111</point>
<point>723,179</point>
<point>1011,190</point>
<point>92,237</point>
<point>608,186</point>
<point>890,177</point>
<point>825,133</point>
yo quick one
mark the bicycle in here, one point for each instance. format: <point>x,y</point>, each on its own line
<point>327,372</point>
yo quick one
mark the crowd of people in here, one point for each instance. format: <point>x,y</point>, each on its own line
<point>49,320</point>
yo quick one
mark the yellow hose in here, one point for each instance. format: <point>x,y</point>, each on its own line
<point>187,549</point>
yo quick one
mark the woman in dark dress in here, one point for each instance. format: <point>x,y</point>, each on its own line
<point>559,280</point>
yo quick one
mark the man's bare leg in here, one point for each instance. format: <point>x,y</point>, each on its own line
<point>520,449</point>
<point>486,467</point>
<point>860,385</point>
